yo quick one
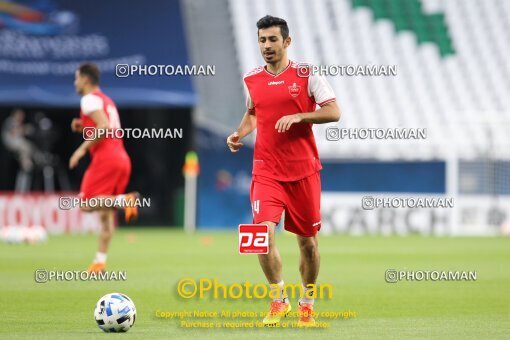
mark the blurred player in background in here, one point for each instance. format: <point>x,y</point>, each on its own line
<point>281,103</point>
<point>108,173</point>
<point>14,136</point>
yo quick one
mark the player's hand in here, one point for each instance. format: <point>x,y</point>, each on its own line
<point>233,142</point>
<point>283,124</point>
<point>75,158</point>
<point>77,125</point>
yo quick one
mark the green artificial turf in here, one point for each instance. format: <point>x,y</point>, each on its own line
<point>156,259</point>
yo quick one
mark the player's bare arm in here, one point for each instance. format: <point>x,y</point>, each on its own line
<point>248,124</point>
<point>329,112</point>
<point>101,121</point>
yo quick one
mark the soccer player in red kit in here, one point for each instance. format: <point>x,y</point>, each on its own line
<point>281,104</point>
<point>108,173</point>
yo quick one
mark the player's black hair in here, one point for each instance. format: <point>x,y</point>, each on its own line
<point>91,71</point>
<point>270,21</point>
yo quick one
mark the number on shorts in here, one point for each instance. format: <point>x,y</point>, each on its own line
<point>256,207</point>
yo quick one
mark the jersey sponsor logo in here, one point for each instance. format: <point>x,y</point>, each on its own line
<point>294,90</point>
<point>253,239</point>
<point>281,82</point>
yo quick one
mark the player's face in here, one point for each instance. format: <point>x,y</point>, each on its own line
<point>271,44</point>
<point>79,82</point>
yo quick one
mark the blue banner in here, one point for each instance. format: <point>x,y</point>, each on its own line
<point>225,178</point>
<point>43,41</point>
<point>223,184</point>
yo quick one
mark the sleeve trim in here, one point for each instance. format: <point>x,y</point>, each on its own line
<point>327,101</point>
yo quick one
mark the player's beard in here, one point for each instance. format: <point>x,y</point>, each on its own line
<point>275,57</point>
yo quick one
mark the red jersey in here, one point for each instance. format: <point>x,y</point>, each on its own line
<point>291,155</point>
<point>95,101</point>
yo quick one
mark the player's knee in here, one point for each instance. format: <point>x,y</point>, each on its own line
<point>103,216</point>
<point>106,221</point>
<point>271,235</point>
<point>309,247</point>
<point>106,232</point>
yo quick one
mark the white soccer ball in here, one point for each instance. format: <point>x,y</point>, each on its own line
<point>12,234</point>
<point>36,234</point>
<point>4,233</point>
<point>115,312</point>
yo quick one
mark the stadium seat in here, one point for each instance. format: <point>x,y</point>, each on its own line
<point>452,69</point>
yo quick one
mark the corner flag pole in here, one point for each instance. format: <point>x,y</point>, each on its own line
<point>190,170</point>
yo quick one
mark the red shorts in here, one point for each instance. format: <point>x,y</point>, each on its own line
<point>301,201</point>
<point>106,176</point>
